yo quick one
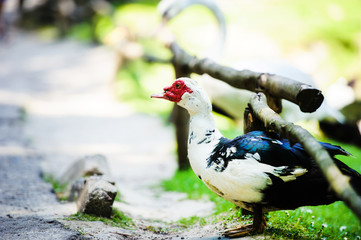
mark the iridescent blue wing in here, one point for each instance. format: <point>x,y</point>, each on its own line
<point>267,148</point>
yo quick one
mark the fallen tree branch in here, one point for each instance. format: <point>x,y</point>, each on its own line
<point>339,182</point>
<point>276,87</point>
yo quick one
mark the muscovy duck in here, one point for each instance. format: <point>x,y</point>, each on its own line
<point>258,171</point>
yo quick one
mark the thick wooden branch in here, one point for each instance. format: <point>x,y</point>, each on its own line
<point>339,182</point>
<point>274,86</point>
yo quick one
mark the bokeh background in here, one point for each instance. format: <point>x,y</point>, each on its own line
<point>51,64</point>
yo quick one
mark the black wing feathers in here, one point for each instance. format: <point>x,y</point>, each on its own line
<point>307,188</point>
<point>267,148</point>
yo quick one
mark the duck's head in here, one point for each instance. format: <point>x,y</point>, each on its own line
<point>187,94</point>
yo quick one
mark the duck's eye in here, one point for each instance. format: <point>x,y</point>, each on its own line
<point>178,86</point>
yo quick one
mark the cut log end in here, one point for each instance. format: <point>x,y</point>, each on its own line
<point>309,99</point>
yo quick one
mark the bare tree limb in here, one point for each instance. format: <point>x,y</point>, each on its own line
<point>274,86</point>
<point>339,182</point>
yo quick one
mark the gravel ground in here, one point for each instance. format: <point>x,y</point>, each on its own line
<point>25,199</point>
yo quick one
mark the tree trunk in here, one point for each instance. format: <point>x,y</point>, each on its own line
<point>181,122</point>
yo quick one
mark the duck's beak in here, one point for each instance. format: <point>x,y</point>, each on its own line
<point>159,95</point>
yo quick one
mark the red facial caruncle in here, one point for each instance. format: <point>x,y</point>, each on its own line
<point>175,92</point>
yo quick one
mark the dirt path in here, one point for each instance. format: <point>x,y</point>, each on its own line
<point>28,208</point>
<point>65,88</point>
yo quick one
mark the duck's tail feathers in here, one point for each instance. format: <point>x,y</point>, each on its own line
<point>335,150</point>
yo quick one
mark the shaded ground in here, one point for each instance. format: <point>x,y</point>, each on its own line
<point>65,88</point>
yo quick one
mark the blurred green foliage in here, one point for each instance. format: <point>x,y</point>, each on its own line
<point>81,32</point>
<point>136,87</point>
<point>296,26</point>
<point>337,24</point>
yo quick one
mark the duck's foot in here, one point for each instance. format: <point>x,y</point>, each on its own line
<point>258,226</point>
<point>244,230</point>
<point>239,231</point>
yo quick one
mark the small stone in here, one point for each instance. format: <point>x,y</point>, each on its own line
<point>97,197</point>
<point>76,189</point>
<point>75,175</point>
<point>86,166</point>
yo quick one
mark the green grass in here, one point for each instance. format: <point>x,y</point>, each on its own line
<point>334,221</point>
<point>118,219</point>
<point>58,188</point>
<point>186,181</point>
<point>118,197</point>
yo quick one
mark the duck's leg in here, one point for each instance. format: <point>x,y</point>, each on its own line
<point>258,225</point>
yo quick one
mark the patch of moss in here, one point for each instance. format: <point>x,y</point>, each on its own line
<point>58,188</point>
<point>158,230</point>
<point>118,219</point>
